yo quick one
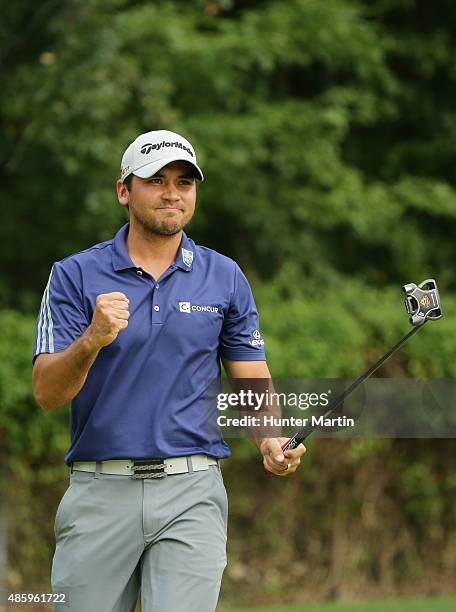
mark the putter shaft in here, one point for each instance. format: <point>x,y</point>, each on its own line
<point>303,433</point>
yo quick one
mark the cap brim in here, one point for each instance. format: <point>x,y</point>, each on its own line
<point>150,169</point>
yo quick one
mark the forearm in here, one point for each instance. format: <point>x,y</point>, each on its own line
<point>254,376</point>
<point>58,377</point>
<point>268,415</point>
<point>267,431</point>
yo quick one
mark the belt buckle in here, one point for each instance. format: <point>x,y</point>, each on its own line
<point>149,468</point>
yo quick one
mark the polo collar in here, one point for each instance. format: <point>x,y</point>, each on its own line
<point>121,259</point>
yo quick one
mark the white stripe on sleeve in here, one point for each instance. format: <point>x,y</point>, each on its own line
<point>51,323</point>
<point>45,321</point>
<point>40,324</point>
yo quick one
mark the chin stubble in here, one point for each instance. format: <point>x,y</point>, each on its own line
<point>157,229</point>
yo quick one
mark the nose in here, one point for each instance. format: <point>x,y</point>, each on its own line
<point>170,193</point>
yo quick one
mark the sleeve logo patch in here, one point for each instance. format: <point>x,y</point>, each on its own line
<point>257,339</point>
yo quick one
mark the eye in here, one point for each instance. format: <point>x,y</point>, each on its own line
<point>186,182</point>
<point>155,180</point>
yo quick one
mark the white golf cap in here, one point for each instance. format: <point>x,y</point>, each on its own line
<point>151,151</point>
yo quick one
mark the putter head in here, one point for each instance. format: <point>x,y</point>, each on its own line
<point>422,301</point>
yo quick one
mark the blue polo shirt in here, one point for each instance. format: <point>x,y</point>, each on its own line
<point>146,393</point>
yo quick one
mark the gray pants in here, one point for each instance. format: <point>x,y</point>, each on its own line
<point>165,537</point>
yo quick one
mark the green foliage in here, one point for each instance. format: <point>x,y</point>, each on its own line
<point>304,114</point>
<point>326,131</point>
<point>436,604</point>
<point>29,432</point>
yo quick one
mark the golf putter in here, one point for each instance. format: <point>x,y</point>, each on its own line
<point>422,303</point>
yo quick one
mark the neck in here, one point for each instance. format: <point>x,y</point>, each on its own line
<point>148,250</point>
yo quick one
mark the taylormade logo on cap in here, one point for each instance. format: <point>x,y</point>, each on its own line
<point>148,147</point>
<point>146,155</point>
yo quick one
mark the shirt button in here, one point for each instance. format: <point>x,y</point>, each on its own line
<point>139,272</point>
<point>157,308</point>
<point>157,286</point>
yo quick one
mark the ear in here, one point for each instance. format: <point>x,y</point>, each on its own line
<point>123,195</point>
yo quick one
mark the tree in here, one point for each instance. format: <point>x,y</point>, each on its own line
<point>325,133</point>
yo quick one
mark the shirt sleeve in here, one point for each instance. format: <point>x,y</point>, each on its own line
<point>240,338</point>
<point>61,318</point>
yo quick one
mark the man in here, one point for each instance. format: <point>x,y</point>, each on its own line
<point>130,331</point>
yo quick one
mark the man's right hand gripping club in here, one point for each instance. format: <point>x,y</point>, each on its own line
<point>279,462</point>
<point>58,377</point>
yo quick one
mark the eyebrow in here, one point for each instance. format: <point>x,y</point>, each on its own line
<point>185,176</point>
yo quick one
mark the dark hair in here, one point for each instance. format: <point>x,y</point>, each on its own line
<point>128,181</point>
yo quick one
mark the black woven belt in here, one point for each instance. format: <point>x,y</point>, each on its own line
<point>149,468</point>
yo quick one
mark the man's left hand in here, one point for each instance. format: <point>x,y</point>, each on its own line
<point>277,461</point>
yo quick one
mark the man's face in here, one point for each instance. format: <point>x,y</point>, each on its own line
<point>164,203</point>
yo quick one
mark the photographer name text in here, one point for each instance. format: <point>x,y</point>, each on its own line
<point>273,421</point>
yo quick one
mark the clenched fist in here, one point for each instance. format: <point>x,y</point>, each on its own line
<point>110,317</point>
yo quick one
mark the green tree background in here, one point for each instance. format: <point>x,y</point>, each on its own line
<point>327,134</point>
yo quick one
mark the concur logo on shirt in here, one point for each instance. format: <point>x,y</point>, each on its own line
<point>188,307</point>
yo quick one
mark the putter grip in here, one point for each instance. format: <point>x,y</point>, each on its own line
<point>291,443</point>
